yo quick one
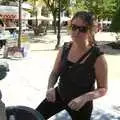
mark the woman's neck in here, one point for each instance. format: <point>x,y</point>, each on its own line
<point>81,46</point>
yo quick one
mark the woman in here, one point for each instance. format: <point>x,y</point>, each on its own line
<point>79,64</point>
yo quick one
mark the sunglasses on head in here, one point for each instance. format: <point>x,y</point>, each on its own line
<point>82,29</point>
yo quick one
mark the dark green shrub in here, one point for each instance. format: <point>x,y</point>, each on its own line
<point>115,25</point>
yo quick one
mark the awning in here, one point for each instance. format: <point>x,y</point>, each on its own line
<point>7,16</point>
<point>12,12</point>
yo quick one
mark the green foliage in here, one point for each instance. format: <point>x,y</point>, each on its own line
<point>78,6</point>
<point>44,11</point>
<point>109,8</point>
<point>102,8</point>
<point>65,4</point>
<point>6,2</point>
<point>115,25</point>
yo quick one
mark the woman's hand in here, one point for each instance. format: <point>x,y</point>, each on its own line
<point>78,102</point>
<point>50,95</point>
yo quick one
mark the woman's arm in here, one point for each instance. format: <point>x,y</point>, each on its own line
<point>50,94</point>
<point>101,79</point>
<point>56,70</point>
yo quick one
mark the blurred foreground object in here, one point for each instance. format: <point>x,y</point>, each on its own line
<point>2,111</point>
<point>22,113</point>
<point>4,68</point>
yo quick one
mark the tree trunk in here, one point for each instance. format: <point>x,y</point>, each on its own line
<point>20,26</point>
<point>58,26</point>
<point>54,23</point>
<point>36,29</point>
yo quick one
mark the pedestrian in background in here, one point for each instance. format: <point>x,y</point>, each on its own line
<point>79,64</point>
<point>2,39</point>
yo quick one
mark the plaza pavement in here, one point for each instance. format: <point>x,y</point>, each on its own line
<point>26,82</point>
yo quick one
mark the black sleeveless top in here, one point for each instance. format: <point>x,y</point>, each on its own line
<point>77,78</point>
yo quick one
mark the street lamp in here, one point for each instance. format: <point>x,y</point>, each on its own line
<point>58,26</point>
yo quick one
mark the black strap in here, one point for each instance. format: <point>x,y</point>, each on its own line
<point>90,61</point>
<point>66,48</point>
<point>81,58</point>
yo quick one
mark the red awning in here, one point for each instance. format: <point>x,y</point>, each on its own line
<point>8,16</point>
<point>12,12</point>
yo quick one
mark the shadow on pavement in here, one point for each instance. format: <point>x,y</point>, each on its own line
<point>106,48</point>
<point>42,41</point>
<point>44,50</point>
<point>97,115</point>
<point>103,45</point>
<point>102,115</point>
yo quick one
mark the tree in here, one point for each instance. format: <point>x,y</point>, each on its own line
<point>102,8</point>
<point>77,6</point>
<point>115,25</point>
<point>7,2</point>
<point>53,8</point>
<point>109,8</point>
<point>56,7</point>
<point>44,11</point>
<point>35,4</point>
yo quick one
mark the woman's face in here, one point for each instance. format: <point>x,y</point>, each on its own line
<point>79,30</point>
